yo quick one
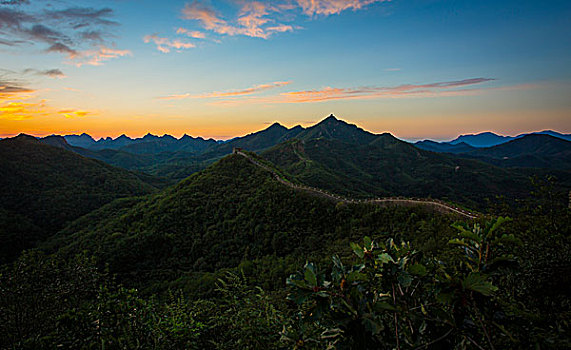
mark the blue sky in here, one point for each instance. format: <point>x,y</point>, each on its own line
<point>418,69</point>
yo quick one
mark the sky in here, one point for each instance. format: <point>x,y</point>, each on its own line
<point>420,69</point>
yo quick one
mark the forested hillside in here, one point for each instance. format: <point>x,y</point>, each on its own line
<point>44,187</point>
<point>388,166</point>
<point>232,209</point>
<point>210,259</point>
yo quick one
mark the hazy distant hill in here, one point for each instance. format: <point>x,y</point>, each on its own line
<point>484,139</point>
<point>43,187</point>
<point>534,150</point>
<point>148,144</point>
<point>489,139</point>
<point>151,144</point>
<point>84,140</point>
<point>444,147</point>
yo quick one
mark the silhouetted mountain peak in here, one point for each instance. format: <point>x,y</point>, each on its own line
<point>330,119</point>
<point>123,137</point>
<point>24,137</point>
<point>276,126</point>
<point>333,128</point>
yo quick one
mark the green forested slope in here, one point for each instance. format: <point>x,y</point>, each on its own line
<point>231,212</point>
<point>45,187</point>
<point>387,166</point>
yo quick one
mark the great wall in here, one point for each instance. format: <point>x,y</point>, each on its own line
<point>434,204</point>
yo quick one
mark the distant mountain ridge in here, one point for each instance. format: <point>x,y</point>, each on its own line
<point>533,150</point>
<point>147,144</point>
<point>175,159</point>
<point>277,133</point>
<point>481,140</point>
<point>444,147</point>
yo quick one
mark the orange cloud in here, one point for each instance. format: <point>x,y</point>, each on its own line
<point>260,19</point>
<point>332,7</point>
<point>165,45</point>
<point>230,94</point>
<point>10,89</point>
<point>72,113</point>
<point>22,110</point>
<point>252,18</point>
<point>191,33</point>
<point>439,89</point>
<point>97,56</point>
<point>407,90</point>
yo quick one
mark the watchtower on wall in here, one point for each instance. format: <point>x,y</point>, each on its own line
<point>236,150</point>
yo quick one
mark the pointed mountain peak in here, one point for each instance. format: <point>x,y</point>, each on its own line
<point>276,125</point>
<point>123,137</point>
<point>333,128</point>
<point>149,136</point>
<point>329,120</point>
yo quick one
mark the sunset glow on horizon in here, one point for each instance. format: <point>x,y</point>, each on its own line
<point>221,69</point>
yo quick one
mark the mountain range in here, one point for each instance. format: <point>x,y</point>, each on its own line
<point>175,159</point>
<point>150,144</point>
<point>481,140</point>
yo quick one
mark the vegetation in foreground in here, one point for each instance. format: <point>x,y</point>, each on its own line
<point>496,284</point>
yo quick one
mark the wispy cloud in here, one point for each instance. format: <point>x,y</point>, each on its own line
<point>465,87</point>
<point>254,19</point>
<point>18,101</point>
<point>73,113</point>
<point>191,33</point>
<point>333,7</point>
<point>96,56</point>
<point>165,45</point>
<point>11,89</point>
<point>406,90</point>
<point>51,73</point>
<point>22,110</point>
<point>263,19</point>
<point>71,31</point>
<point>14,2</point>
<point>230,94</point>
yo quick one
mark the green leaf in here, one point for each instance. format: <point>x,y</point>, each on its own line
<point>368,243</point>
<point>357,250</point>
<point>337,262</point>
<point>385,258</point>
<point>479,283</point>
<point>309,275</point>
